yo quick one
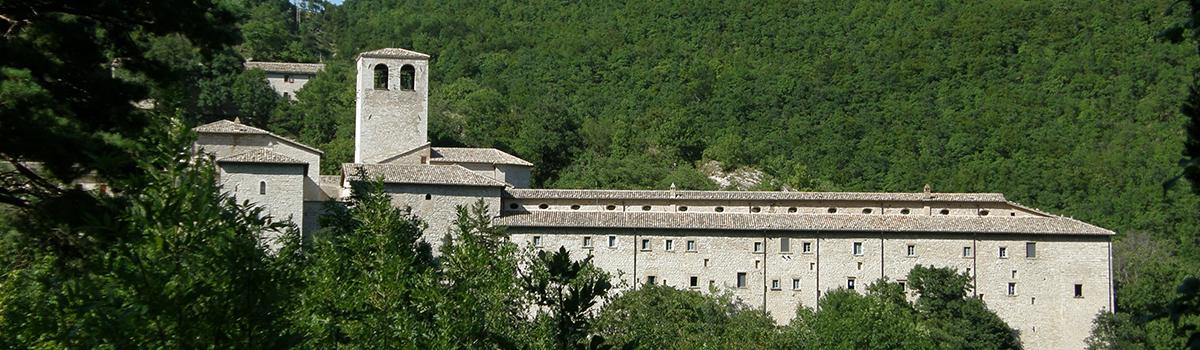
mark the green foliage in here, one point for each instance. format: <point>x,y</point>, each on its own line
<point>954,320</point>
<point>661,317</point>
<point>170,262</point>
<point>846,319</point>
<point>566,291</point>
<point>370,281</point>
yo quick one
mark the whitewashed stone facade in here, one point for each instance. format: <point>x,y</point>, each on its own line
<point>287,78</point>
<point>1046,275</point>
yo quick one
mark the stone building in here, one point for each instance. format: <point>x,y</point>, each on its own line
<point>1046,275</point>
<point>287,78</point>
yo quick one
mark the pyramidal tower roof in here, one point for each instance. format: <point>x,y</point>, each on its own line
<point>392,52</point>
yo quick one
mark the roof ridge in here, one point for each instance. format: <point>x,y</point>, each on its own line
<point>256,131</point>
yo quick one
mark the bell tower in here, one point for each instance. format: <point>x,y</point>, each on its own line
<point>391,109</point>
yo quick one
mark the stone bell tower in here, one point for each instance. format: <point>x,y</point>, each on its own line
<point>391,110</point>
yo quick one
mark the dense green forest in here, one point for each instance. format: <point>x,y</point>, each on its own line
<point>1069,106</point>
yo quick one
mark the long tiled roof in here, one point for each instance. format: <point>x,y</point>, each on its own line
<point>422,174</point>
<point>287,67</point>
<point>793,222</point>
<point>752,195</point>
<point>394,53</point>
<point>231,127</point>
<point>474,155</point>
<point>260,155</point>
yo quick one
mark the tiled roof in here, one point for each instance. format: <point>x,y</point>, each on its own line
<point>331,179</point>
<point>474,155</point>
<point>231,127</point>
<point>394,53</point>
<point>753,195</point>
<point>794,222</point>
<point>422,174</point>
<point>287,67</point>
<point>260,155</point>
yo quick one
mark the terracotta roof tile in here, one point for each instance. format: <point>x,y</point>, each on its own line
<point>394,53</point>
<point>474,155</point>
<point>287,67</point>
<point>794,222</point>
<point>260,155</point>
<point>422,174</point>
<point>753,195</point>
<point>231,127</point>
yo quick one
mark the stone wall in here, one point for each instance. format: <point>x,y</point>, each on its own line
<point>284,197</point>
<point>279,82</point>
<point>1044,308</point>
<point>436,204</point>
<point>389,122</point>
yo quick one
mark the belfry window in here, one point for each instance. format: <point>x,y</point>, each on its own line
<point>381,77</point>
<point>262,187</point>
<point>408,77</point>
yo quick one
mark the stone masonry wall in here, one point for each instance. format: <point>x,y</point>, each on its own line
<point>1044,308</point>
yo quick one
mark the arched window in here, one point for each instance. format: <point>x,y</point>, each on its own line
<point>408,77</point>
<point>262,187</point>
<point>381,77</point>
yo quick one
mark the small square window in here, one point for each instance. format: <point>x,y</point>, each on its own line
<point>612,241</point>
<point>587,241</point>
<point>795,284</point>
<point>694,282</point>
<point>691,245</point>
<point>785,245</point>
<point>651,279</point>
<point>669,245</point>
<point>806,247</point>
<point>1030,250</point>
<point>858,248</point>
<point>645,244</point>
<point>758,247</point>
<point>775,285</point>
<point>1004,252</point>
<point>911,250</point>
<point>1012,288</point>
<point>537,241</point>
<point>966,252</point>
<point>850,283</point>
<point>1078,290</point>
<point>741,280</point>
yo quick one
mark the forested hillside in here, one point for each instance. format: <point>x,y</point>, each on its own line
<point>1069,106</point>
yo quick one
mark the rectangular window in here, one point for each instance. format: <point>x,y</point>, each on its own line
<point>612,241</point>
<point>911,250</point>
<point>858,248</point>
<point>758,247</point>
<point>806,247</point>
<point>741,280</point>
<point>903,285</point>
<point>1030,250</point>
<point>1078,290</point>
<point>795,284</point>
<point>785,245</point>
<point>850,283</point>
<point>651,279</point>
<point>691,246</point>
<point>1012,288</point>
<point>645,244</point>
<point>966,252</point>
<point>587,241</point>
<point>537,241</point>
<point>812,266</point>
<point>669,245</point>
<point>775,285</point>
<point>705,262</point>
<point>1004,252</point>
<point>694,282</point>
